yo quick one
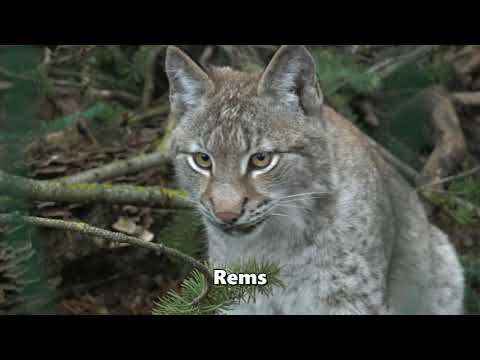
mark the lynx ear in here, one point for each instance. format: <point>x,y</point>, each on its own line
<point>188,82</point>
<point>291,78</point>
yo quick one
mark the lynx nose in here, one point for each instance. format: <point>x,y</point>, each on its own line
<point>228,217</point>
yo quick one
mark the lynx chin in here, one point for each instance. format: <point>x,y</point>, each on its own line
<point>275,173</point>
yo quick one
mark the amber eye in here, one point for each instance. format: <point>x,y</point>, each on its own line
<point>261,160</point>
<point>203,160</point>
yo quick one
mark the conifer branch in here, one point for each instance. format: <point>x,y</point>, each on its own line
<point>221,298</point>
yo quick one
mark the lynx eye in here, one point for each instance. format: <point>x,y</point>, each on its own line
<point>204,161</point>
<point>261,161</point>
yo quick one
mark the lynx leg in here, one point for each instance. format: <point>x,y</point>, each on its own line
<point>448,279</point>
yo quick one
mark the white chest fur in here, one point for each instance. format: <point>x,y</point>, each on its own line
<point>284,243</point>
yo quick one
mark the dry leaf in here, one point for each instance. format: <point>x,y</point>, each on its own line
<point>125,225</point>
<point>147,236</point>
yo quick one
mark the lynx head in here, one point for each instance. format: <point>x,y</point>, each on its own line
<point>249,147</point>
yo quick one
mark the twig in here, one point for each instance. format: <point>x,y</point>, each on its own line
<point>162,109</point>
<point>115,237</point>
<point>407,171</point>
<point>389,66</point>
<point>207,55</point>
<point>468,66</point>
<point>120,95</point>
<point>9,74</point>
<point>85,131</point>
<point>448,136</point>
<point>4,85</point>
<point>467,98</point>
<point>55,71</point>
<point>107,94</point>
<point>119,168</point>
<point>441,204</point>
<point>56,191</point>
<point>371,117</point>
<point>451,179</point>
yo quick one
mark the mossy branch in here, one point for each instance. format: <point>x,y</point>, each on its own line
<point>62,192</point>
<point>118,238</point>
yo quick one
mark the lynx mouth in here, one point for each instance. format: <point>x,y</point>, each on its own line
<point>240,230</point>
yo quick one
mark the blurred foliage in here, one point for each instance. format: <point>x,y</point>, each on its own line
<point>405,129</point>
<point>404,126</point>
<point>338,69</point>
<point>123,66</point>
<point>467,210</point>
<point>32,280</point>
<point>182,233</point>
<point>472,274</point>
<point>101,111</point>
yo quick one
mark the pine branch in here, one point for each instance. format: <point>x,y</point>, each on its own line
<point>12,281</point>
<point>221,298</point>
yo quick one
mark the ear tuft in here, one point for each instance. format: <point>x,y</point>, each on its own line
<point>291,78</point>
<point>189,84</point>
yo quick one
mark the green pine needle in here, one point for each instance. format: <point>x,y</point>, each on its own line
<point>221,298</point>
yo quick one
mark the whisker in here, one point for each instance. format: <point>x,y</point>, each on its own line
<point>293,207</point>
<point>281,215</point>
<point>295,201</point>
<point>304,195</point>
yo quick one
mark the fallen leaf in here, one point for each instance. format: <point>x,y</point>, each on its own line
<point>147,236</point>
<point>125,225</point>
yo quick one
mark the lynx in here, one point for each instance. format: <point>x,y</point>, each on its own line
<point>277,174</point>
